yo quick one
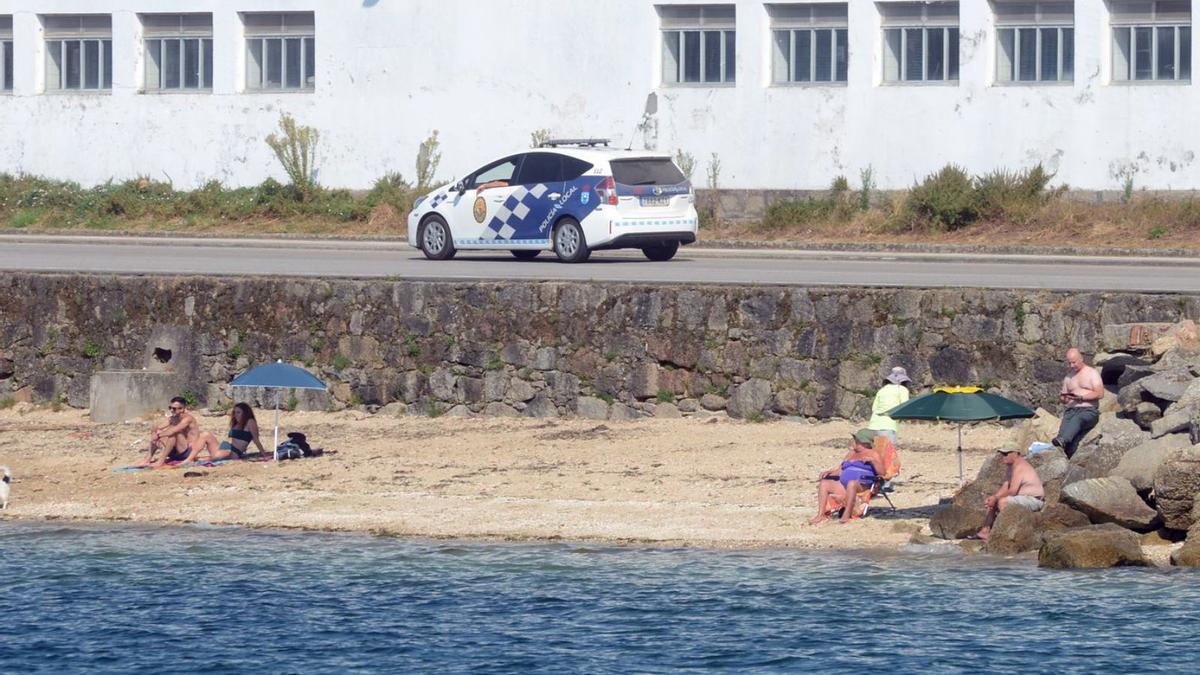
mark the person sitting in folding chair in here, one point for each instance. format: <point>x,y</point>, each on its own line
<point>853,482</point>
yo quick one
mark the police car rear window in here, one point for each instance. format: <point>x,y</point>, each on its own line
<point>658,171</point>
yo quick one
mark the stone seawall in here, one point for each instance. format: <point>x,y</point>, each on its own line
<point>547,349</point>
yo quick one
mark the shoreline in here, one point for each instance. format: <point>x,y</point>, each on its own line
<point>709,482</point>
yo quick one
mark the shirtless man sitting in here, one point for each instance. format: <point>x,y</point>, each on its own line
<point>1022,488</point>
<point>176,436</point>
<point>1081,393</point>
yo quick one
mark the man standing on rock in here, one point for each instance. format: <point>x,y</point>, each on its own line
<point>1021,488</point>
<point>1081,394</point>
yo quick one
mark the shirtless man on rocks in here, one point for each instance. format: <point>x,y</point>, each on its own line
<point>177,436</point>
<point>1081,394</point>
<point>1022,488</point>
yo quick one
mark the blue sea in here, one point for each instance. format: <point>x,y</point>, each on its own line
<point>105,598</point>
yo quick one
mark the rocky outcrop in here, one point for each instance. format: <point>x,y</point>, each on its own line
<point>1141,464</point>
<point>1110,500</point>
<point>1102,449</point>
<point>1176,485</point>
<point>1017,529</point>
<point>966,513</point>
<point>1094,546</point>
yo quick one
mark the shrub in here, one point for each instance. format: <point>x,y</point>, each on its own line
<point>686,163</point>
<point>792,213</point>
<point>1013,195</point>
<point>538,137</point>
<point>296,149</point>
<point>428,159</point>
<point>944,201</point>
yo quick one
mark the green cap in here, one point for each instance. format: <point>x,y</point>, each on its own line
<point>865,436</point>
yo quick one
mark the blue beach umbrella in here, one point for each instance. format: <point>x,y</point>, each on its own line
<point>278,375</point>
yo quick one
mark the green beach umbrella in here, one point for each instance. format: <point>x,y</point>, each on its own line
<point>959,404</point>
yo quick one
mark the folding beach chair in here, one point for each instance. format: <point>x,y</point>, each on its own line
<point>883,482</point>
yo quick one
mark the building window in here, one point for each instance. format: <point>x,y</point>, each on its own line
<point>1035,42</point>
<point>699,44</point>
<point>6,54</point>
<point>810,43</point>
<point>920,42</point>
<point>179,51</point>
<point>1152,41</point>
<point>78,52</point>
<point>281,51</point>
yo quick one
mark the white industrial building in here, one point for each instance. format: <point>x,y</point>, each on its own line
<point>786,94</point>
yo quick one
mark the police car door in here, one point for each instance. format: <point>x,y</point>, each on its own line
<point>484,195</point>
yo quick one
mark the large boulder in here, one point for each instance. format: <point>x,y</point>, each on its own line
<point>966,513</point>
<point>749,398</point>
<point>1050,464</point>
<point>1175,419</point>
<point>1094,546</point>
<point>1187,555</point>
<point>1016,530</point>
<point>1146,414</point>
<point>1042,427</point>
<point>1110,500</point>
<point>1181,337</point>
<point>1113,366</point>
<point>1056,517</point>
<point>1167,385</point>
<point>1140,464</point>
<point>1175,487</point>
<point>1102,449</point>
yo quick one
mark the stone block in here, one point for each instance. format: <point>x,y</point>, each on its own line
<point>116,396</point>
<point>1176,485</point>
<point>1110,500</point>
<point>1091,547</point>
<point>1141,464</point>
<point>495,409</point>
<point>591,408</point>
<point>712,402</point>
<point>749,398</point>
<point>622,412</point>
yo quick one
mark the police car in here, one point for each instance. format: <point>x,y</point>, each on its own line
<point>571,197</point>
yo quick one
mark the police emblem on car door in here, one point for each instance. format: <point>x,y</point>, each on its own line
<point>484,191</point>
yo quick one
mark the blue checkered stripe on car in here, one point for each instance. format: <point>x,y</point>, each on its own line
<point>661,222</point>
<point>512,214</point>
<point>438,199</point>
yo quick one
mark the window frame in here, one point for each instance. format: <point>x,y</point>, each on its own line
<point>709,21</point>
<point>202,35</point>
<point>98,35</point>
<point>1154,25</point>
<point>926,24</point>
<point>790,20</point>
<point>1039,24</point>
<point>306,36</point>
<point>7,55</point>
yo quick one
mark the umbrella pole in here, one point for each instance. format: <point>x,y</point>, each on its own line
<point>960,461</point>
<point>275,448</point>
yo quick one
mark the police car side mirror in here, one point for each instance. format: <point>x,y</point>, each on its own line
<point>460,187</point>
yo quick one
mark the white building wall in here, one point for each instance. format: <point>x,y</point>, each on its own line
<point>487,74</point>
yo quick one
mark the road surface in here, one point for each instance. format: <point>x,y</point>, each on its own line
<point>394,260</point>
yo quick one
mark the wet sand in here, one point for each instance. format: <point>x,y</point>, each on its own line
<point>698,482</point>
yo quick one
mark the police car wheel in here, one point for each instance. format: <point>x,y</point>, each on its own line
<point>661,252</point>
<point>435,239</point>
<point>525,254</point>
<point>569,243</point>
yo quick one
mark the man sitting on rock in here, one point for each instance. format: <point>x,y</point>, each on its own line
<point>1081,393</point>
<point>1022,487</point>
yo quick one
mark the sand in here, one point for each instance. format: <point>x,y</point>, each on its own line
<point>711,482</point>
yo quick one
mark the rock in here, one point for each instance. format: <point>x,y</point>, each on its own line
<point>749,398</point>
<point>1175,487</point>
<point>1140,464</point>
<point>1130,396</point>
<point>1123,337</point>
<point>1016,530</point>
<point>1042,427</point>
<point>1103,448</point>
<point>1050,465</point>
<point>621,412</point>
<point>1113,366</point>
<point>1091,547</point>
<point>1183,336</point>
<point>1146,414</point>
<point>394,409</point>
<point>1110,500</point>
<point>1167,385</point>
<point>541,406</point>
<point>1173,421</point>
<point>591,408</point>
<point>1133,375</point>
<point>520,390</point>
<point>459,411</point>
<point>500,410</point>
<point>1187,555</point>
<point>712,402</point>
<point>1109,403</point>
<point>966,513</point>
<point>667,411</point>
<point>1161,537</point>
<point>689,405</point>
<point>1057,517</point>
<point>643,381</point>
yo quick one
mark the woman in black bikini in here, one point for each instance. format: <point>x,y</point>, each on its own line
<point>243,430</point>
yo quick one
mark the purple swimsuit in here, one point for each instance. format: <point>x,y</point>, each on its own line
<point>862,472</point>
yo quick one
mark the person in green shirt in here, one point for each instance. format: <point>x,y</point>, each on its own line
<point>893,393</point>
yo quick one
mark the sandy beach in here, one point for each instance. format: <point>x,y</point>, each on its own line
<point>702,482</point>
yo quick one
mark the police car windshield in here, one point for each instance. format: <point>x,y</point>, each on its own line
<point>649,171</point>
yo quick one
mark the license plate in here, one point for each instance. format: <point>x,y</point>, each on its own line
<point>656,201</point>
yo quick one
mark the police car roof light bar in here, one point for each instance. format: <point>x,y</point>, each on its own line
<point>582,142</point>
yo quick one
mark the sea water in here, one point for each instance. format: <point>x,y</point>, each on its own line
<point>103,598</point>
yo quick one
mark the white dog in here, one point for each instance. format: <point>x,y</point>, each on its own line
<point>5,481</point>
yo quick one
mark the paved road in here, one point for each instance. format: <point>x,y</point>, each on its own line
<point>164,255</point>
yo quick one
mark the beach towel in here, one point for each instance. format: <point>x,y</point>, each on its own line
<point>189,465</point>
